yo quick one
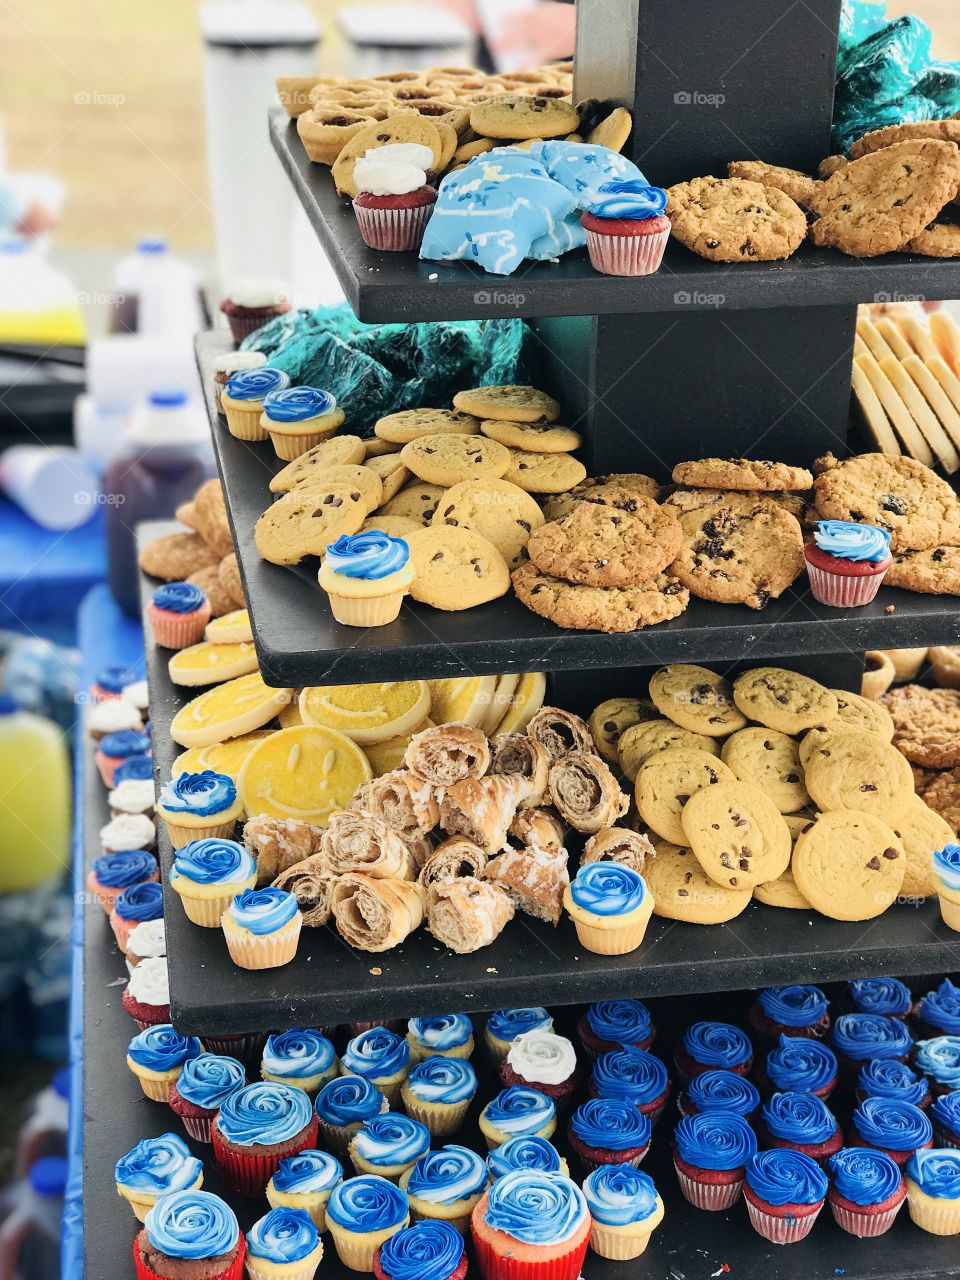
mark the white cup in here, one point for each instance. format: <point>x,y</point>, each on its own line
<point>51,483</point>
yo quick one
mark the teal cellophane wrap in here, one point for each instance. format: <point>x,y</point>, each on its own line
<point>859,19</point>
<point>849,127</point>
<point>886,65</point>
<point>941,83</point>
<point>378,369</point>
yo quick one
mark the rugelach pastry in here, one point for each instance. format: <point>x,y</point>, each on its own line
<point>373,914</point>
<point>467,914</point>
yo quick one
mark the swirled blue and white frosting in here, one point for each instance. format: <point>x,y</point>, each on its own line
<point>349,1100</point>
<point>283,1235</point>
<point>192,1225</point>
<point>441,1032</point>
<point>391,1139</point>
<point>377,1054</point>
<point>630,198</point>
<point>308,1172</point>
<point>263,911</point>
<point>201,794</point>
<point>367,1203</point>
<point>442,1080</point>
<point>212,861</point>
<point>447,1176</point>
<point>936,1172</point>
<point>157,1166</point>
<point>946,866</point>
<point>209,1079</point>
<point>298,1054</point>
<point>160,1048</point>
<point>536,1208</point>
<point>520,1110</point>
<point>608,889</point>
<point>524,1153</point>
<point>264,1114</point>
<point>619,1194</point>
<point>296,404</point>
<point>429,1250</point>
<point>256,384</point>
<point>370,555</point>
<point>507,1024</point>
<point>940,1009</point>
<point>939,1058</point>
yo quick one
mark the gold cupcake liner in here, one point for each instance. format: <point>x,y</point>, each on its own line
<point>288,447</point>
<point>154,1087</point>
<point>261,1269</point>
<point>313,1203</point>
<point>179,836</point>
<point>442,1119</point>
<point>618,1244</point>
<point>356,1251</point>
<point>268,951</point>
<point>937,1216</point>
<point>207,912</point>
<point>611,942</point>
<point>950,911</point>
<point>243,424</point>
<point>366,611</point>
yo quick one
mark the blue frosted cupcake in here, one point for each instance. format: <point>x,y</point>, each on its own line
<point>710,1153</point>
<point>945,1115</point>
<point>303,1058</point>
<point>438,1093</point>
<point>135,905</point>
<point>517,1112</point>
<point>718,1090</point>
<point>946,877</point>
<point>888,996</point>
<point>896,1128</point>
<point>504,1025</point>
<point>939,1060</point>
<point>243,396</point>
<point>283,1245</point>
<point>262,928</point>
<point>610,906</point>
<point>636,1076</point>
<point>156,1057</point>
<point>707,1045</point>
<point>525,1153</point>
<point>207,874</point>
<point>784,1191</point>
<point>939,1011</point>
<point>800,1065</point>
<point>200,805</point>
<point>801,1122</point>
<point>858,1037</point>
<point>799,1010</point>
<point>530,1225</point>
<point>257,1127</point>
<point>380,1056</point>
<point>445,1035</point>
<point>388,1145</point>
<point>115,748</point>
<point>297,418</point>
<point>615,1024</point>
<point>887,1078</point>
<point>625,1209</point>
<point>362,1214</point>
<point>445,1185</point>
<point>305,1181</point>
<point>429,1250</point>
<point>190,1233</point>
<point>203,1084</point>
<point>342,1107</point>
<point>866,1192</point>
<point>155,1167</point>
<point>608,1131</point>
<point>933,1191</point>
<point>114,872</point>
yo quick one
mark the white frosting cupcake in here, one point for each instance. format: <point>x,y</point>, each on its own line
<point>147,941</point>
<point>132,796</point>
<point>149,983</point>
<point>113,716</point>
<point>126,832</point>
<point>542,1057</point>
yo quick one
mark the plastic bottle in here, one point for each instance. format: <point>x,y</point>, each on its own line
<point>34,801</point>
<point>165,457</point>
<point>38,303</point>
<point>155,293</point>
<point>30,1233</point>
<point>51,483</point>
<point>44,1132</point>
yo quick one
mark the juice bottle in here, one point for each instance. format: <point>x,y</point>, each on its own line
<point>35,800</point>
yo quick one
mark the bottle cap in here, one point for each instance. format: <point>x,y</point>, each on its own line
<point>8,705</point>
<point>48,1176</point>
<point>168,398</point>
<point>61,1083</point>
<point>151,244</point>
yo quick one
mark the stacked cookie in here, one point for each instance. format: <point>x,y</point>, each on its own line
<point>204,555</point>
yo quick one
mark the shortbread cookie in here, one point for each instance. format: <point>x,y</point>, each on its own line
<point>175,556</point>
<point>499,510</point>
<point>303,524</point>
<point>683,891</point>
<point>920,830</point>
<point>228,572</point>
<point>450,459</point>
<point>602,546</point>
<point>771,761</point>
<point>934,571</point>
<point>898,494</point>
<point>849,866</point>
<point>534,437</point>
<point>665,783</point>
<point>741,473</point>
<point>411,424</point>
<point>730,220</point>
<point>456,568</point>
<point>736,557</point>
<point>917,130</point>
<point>640,742</point>
<point>508,404</point>
<point>520,116</point>
<point>876,204</point>
<point>415,502</point>
<point>737,833</point>
<point>939,240</point>
<point>784,700</point>
<point>336,451</point>
<point>612,718</point>
<point>697,699</point>
<point>926,724</point>
<point>611,609</point>
<point>800,187</point>
<point>544,472</point>
<point>855,770</point>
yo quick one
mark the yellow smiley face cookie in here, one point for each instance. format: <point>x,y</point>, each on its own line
<point>303,773</point>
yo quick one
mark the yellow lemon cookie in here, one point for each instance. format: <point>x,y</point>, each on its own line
<point>500,702</point>
<point>388,755</point>
<point>850,866</point>
<point>462,700</point>
<point>526,702</point>
<point>737,833</point>
<point>303,773</point>
<point>221,757</point>
<point>227,711</point>
<point>208,663</point>
<point>230,628</point>
<point>289,716</point>
<point>366,712</point>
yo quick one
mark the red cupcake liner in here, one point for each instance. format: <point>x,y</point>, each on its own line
<point>500,1266</point>
<point>781,1228</point>
<point>392,230</point>
<point>233,1272</point>
<point>708,1195</point>
<point>627,255</point>
<point>843,591</point>
<point>248,1175</point>
<point>122,929</point>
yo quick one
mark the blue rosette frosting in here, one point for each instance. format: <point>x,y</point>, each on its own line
<point>859,1036</point>
<point>892,1125</point>
<point>123,744</point>
<point>864,1176</point>
<point>536,1208</point>
<point>783,1176</point>
<point>429,1250</point>
<point>377,1053</point>
<point>348,1100</point>
<point>297,404</point>
<point>520,1110</point>
<point>629,198</point>
<point>283,1235</point>
<point>112,679</point>
<point>391,1139</point>
<point>940,1009</point>
<point>192,1225</point>
<point>442,1031</point>
<point>799,1064</point>
<point>939,1058</point>
<point>717,1044</point>
<point>618,1195</point>
<point>256,384</point>
<point>308,1171</point>
<point>201,794</point>
<point>140,902</point>
<point>888,1078</point>
<point>507,1024</point>
<point>936,1172</point>
<point>370,555</point>
<point>209,1079</point>
<point>179,597</point>
<point>160,1048</point>
<point>524,1153</point>
<point>263,911</point>
<point>632,1074</point>
<point>800,1005</point>
<point>443,1080</point>
<point>719,1090</point>
<point>213,861</point>
<point>888,996</point>
<point>715,1140</point>
<point>802,1118</point>
<point>447,1176</point>
<point>139,768</point>
<point>946,1111</point>
<point>367,1203</point>
<point>158,1166</point>
<point>946,866</point>
<point>121,870</point>
<point>611,1124</point>
<point>858,543</point>
<point>298,1054</point>
<point>608,889</point>
<point>264,1114</point>
<point>625,1022</point>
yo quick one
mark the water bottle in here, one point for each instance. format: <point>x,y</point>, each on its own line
<point>51,483</point>
<point>30,1232</point>
<point>44,1132</point>
<point>155,293</point>
<point>38,303</point>
<point>35,803</point>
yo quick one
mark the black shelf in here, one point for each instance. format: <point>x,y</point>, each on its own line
<point>399,287</point>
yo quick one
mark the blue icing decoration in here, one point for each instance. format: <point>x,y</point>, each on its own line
<point>443,1080</point>
<point>782,1177</point>
<point>855,542</point>
<point>264,1114</point>
<point>801,1065</point>
<point>213,861</point>
<point>297,404</point>
<point>507,1024</point>
<point>887,1078</point>
<point>796,1006</point>
<point>940,1059</point>
<point>158,1166</point>
<point>946,865</point>
<point>256,384</point>
<point>112,679</point>
<point>608,889</point>
<point>201,794</point>
<point>888,996</point>
<point>443,1177</point>
<point>629,199</point>
<point>859,1036</point>
<point>370,556</point>
<point>160,1048</point>
<point>892,1125</point>
<point>520,1110</point>
<point>442,1031</point>
<point>611,1124</point>
<point>391,1139</point>
<point>536,1208</point>
<point>715,1140</point>
<point>262,911</point>
<point>138,768</point>
<point>864,1176</point>
<point>630,1073</point>
<point>377,1053</point>
<point>120,870</point>
<point>192,1224</point>
<point>524,1153</point>
<point>209,1078</point>
<point>367,1203</point>
<point>584,168</point>
<point>802,1118</point>
<point>565,234</point>
<point>298,1054</point>
<point>940,1009</point>
<point>946,1111</point>
<point>140,902</point>
<point>619,1194</point>
<point>123,744</point>
<point>936,1172</point>
<point>429,1250</point>
<point>308,1171</point>
<point>348,1100</point>
<point>624,1022</point>
<point>179,597</point>
<point>719,1090</point>
<point>717,1044</point>
<point>283,1235</point>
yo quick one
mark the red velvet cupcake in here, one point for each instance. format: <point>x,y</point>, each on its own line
<point>801,1122</point>
<point>431,1246</point>
<point>846,562</point>
<point>393,200</point>
<point>627,231</point>
<point>610,1024</point>
<point>709,1045</point>
<point>608,1131</point>
<point>204,1083</point>
<point>146,997</point>
<point>784,1191</point>
<point>543,1061</point>
<point>798,1010</point>
<point>892,1126</point>
<point>189,1233</point>
<point>710,1156</point>
<point>866,1193</point>
<point>252,304</point>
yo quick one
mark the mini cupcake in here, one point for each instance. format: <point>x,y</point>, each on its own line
<point>445,1035</point>
<point>544,1061</point>
<point>201,1088</point>
<point>625,1209</point>
<point>177,613</point>
<point>138,694</point>
<point>933,1191</point>
<point>114,716</point>
<point>896,1128</point>
<point>888,996</point>
<point>114,748</point>
<point>438,1093</point>
<point>147,941</point>
<point>846,562</point>
<point>946,873</point>
<point>146,997</point>
<point>242,400</point>
<point>608,1131</point>
<point>133,906</point>
<point>800,1010</point>
<point>304,1058</point>
<point>393,200</point>
<point>939,1060</point>
<point>445,1185</point>
<point>136,768</point>
<point>207,874</point>
<point>114,872</point>
<point>389,1145</point>
<point>801,1122</point>
<point>366,575</point>
<point>530,1225</point>
<point>636,1076</point>
<point>132,795</point>
<point>784,1191</point>
<point>939,1012</point>
<point>887,1078</point>
<point>362,1214</point>
<point>866,1193</point>
<point>342,1107</point>
<point>945,1114</point>
<point>504,1025</point>
<point>129,831</point>
<point>429,1250</point>
<point>801,1065</point>
<point>252,303</point>
<point>262,928</point>
<point>283,1245</point>
<point>156,1057</point>
<point>627,230</point>
<point>305,1181</point>
<point>610,905</point>
<point>525,1153</point>
<point>857,1037</point>
<point>517,1112</point>
<point>710,1154</point>
<point>297,418</point>
<point>713,1044</point>
<point>717,1090</point>
<point>190,1233</point>
<point>255,1128</point>
<point>380,1056</point>
<point>156,1167</point>
<point>227,365</point>
<point>108,683</point>
<point>610,1024</point>
<point>197,806</point>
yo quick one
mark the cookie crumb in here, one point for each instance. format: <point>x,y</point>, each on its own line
<point>376,971</point>
<point>491,969</point>
<point>891,608</point>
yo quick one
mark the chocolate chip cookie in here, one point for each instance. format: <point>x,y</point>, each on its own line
<point>515,115</point>
<point>602,546</point>
<point>533,437</point>
<point>337,451</point>
<point>941,792</point>
<point>730,220</point>
<point>696,699</point>
<point>920,830</point>
<point>544,472</point>
<point>926,724</point>
<point>849,866</point>
<point>739,557</point>
<point>682,890</point>
<point>784,700</point>
<point>798,504</point>
<point>648,738</point>
<point>411,424</point>
<point>497,509</point>
<point>303,523</point>
<point>737,834</point>
<point>792,182</point>
<point>666,781</point>
<point>916,507</point>
<point>877,139</point>
<point>611,719</point>
<point>856,770</point>
<point>456,568</point>
<point>508,404</point>
<point>611,609</point>
<point>939,240</point>
<point>450,459</point>
<point>771,761</point>
<point>741,473</point>
<point>415,502</point>
<point>934,571</point>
